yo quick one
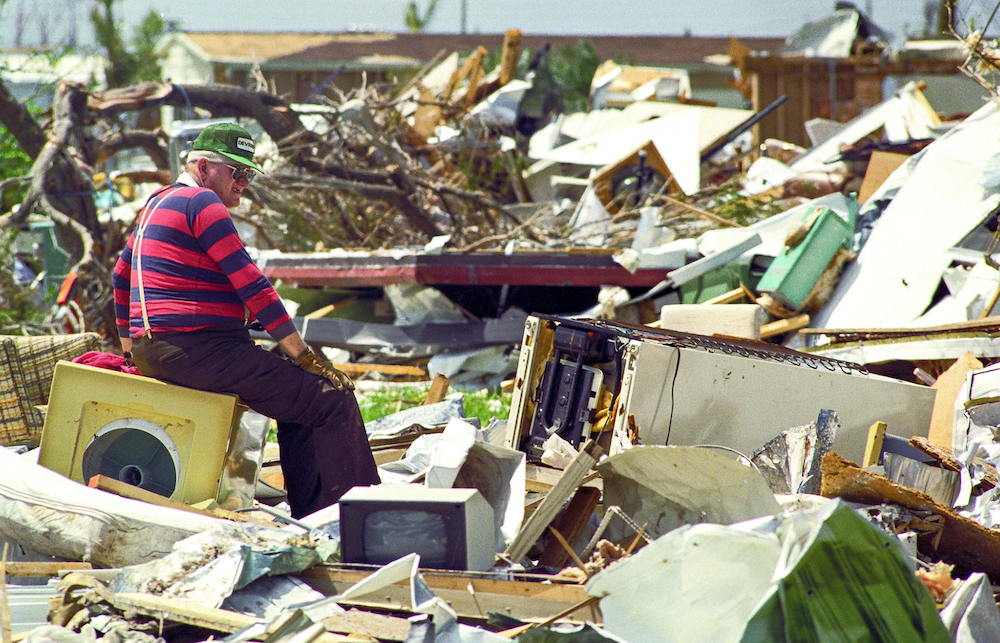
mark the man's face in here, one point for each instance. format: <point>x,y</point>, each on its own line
<point>219,178</point>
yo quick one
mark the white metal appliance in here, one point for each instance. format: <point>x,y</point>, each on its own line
<point>684,389</point>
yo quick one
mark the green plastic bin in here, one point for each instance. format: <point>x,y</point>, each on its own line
<point>795,271</point>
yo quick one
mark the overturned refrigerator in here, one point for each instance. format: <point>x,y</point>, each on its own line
<point>583,379</point>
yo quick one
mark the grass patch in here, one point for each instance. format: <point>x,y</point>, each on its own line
<point>377,404</point>
<point>482,404</point>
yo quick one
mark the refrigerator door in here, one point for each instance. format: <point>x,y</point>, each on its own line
<point>687,396</point>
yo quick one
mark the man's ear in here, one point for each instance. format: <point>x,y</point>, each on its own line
<point>202,165</point>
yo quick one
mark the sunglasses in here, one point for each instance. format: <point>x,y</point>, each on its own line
<point>240,172</point>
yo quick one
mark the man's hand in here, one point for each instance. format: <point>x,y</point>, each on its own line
<point>310,362</point>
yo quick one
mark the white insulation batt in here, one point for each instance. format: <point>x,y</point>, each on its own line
<point>900,267</point>
<point>50,514</point>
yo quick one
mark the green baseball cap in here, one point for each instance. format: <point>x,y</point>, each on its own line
<point>230,140</point>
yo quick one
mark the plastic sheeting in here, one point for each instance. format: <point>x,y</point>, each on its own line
<point>839,579</point>
<point>665,487</point>
<point>822,574</point>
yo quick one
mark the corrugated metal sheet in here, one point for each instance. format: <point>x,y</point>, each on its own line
<point>29,605</point>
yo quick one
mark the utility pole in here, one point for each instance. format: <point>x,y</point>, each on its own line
<point>463,15</point>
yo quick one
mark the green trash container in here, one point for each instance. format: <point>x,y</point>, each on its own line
<point>795,270</point>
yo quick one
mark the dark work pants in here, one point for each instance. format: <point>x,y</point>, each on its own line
<point>322,440</point>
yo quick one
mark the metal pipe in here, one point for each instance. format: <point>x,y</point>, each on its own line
<point>747,124</point>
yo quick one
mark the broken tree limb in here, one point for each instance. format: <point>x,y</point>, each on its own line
<point>149,142</point>
<point>57,173</point>
<point>18,121</point>
<point>701,213</point>
<point>390,194</point>
<point>272,112</point>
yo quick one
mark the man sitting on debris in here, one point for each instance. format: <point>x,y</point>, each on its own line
<point>185,292</point>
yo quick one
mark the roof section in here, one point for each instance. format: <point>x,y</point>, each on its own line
<point>265,46</point>
<point>315,47</point>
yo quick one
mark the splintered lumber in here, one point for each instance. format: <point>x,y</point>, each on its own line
<point>986,325</point>
<point>439,387</point>
<point>782,326</point>
<point>459,76</point>
<point>125,490</point>
<point>470,594</point>
<point>948,461</point>
<point>961,542</point>
<point>571,478</point>
<point>475,76</point>
<point>948,385</point>
<point>569,527</point>
<point>42,568</point>
<point>509,56</point>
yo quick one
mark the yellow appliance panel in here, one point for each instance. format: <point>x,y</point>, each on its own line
<point>138,429</point>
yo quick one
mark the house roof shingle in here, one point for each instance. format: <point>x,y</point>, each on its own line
<point>318,47</point>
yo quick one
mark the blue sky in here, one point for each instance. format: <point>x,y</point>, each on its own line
<point>578,17</point>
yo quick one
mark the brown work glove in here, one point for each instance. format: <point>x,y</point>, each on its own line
<point>310,362</point>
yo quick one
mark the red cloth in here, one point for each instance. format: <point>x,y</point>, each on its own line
<point>109,361</point>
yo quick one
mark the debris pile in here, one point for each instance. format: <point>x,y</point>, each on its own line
<point>779,407</point>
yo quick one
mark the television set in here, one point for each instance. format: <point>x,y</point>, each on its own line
<point>448,528</point>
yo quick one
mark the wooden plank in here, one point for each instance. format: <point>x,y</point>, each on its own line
<point>540,478</point>
<point>439,388</point>
<point>988,324</point>
<point>509,56</point>
<point>782,326</point>
<point>948,461</point>
<point>41,569</point>
<point>401,370</point>
<point>734,295</point>
<point>959,541</point>
<point>881,165</point>
<point>393,454</point>
<point>119,488</point>
<point>570,526</point>
<point>470,594</point>
<point>948,385</point>
<point>190,613</point>
<point>571,478</point>
<point>873,447</point>
<point>319,313</point>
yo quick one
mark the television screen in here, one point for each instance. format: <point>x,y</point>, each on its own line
<point>448,528</point>
<point>388,532</point>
